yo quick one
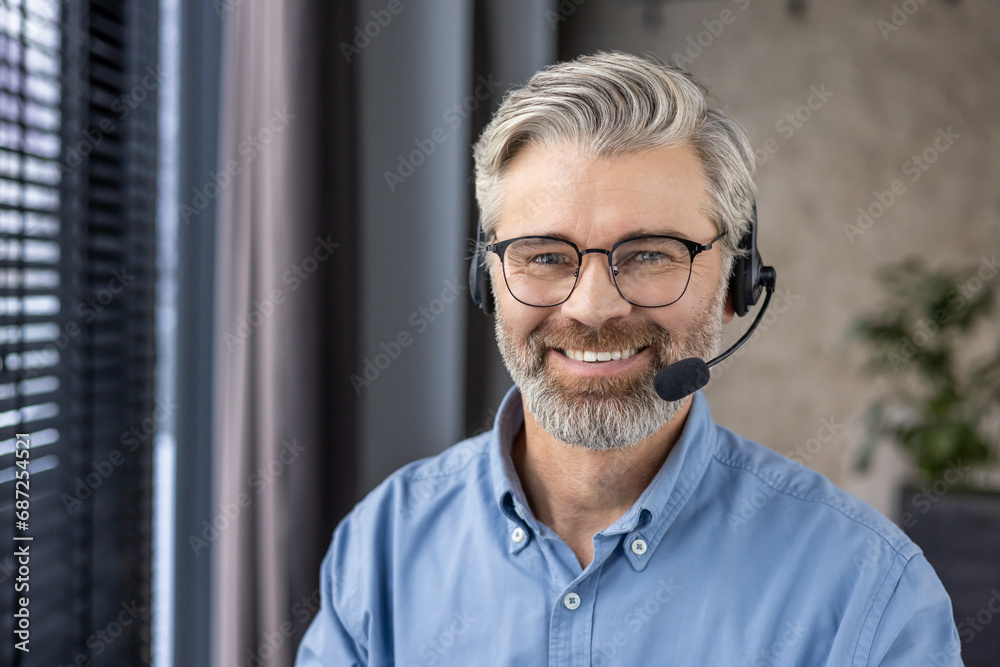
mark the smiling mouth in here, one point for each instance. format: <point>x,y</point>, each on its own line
<point>594,356</point>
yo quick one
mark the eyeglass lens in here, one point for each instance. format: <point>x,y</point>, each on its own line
<point>649,272</point>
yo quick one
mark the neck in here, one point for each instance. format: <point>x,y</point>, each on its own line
<point>579,492</point>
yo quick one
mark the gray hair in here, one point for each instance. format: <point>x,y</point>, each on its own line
<point>613,103</point>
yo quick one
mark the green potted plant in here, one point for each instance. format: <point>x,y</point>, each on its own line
<point>942,409</point>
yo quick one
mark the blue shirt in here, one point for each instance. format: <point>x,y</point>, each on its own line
<point>733,555</point>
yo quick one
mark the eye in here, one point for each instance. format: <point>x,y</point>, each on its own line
<point>550,258</point>
<point>541,256</point>
<point>648,258</point>
<point>648,254</point>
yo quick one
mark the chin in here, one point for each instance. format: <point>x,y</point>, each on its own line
<point>598,418</point>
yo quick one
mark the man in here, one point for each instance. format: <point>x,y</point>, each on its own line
<point>598,524</point>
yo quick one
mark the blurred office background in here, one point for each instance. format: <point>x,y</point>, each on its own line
<point>235,241</point>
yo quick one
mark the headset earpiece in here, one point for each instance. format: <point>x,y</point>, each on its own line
<point>479,281</point>
<point>746,285</point>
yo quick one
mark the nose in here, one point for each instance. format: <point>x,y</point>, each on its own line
<point>595,299</point>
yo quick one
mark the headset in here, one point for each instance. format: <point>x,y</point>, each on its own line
<point>747,281</point>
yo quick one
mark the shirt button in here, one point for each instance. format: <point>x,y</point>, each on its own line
<point>571,601</point>
<point>639,547</point>
<point>517,535</point>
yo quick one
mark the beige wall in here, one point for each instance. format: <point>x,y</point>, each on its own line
<point>890,97</point>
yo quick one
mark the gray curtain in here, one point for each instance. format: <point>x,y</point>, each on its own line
<point>284,437</point>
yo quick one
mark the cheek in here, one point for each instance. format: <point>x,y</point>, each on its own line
<point>704,286</point>
<point>517,319</point>
<point>679,321</point>
<point>519,323</point>
<point>697,307</point>
<point>705,273</point>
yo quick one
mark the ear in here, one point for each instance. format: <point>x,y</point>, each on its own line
<point>728,312</point>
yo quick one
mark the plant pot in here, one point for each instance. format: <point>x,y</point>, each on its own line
<point>959,532</point>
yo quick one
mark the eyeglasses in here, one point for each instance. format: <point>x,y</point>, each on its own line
<point>649,271</point>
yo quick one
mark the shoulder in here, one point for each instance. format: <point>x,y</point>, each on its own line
<point>409,498</point>
<point>782,516</point>
<point>793,489</point>
<point>360,567</point>
<point>418,486</point>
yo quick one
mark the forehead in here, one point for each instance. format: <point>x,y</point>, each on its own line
<point>560,190</point>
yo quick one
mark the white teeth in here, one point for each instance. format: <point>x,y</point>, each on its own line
<point>591,356</point>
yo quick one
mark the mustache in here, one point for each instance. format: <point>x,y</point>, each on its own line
<point>612,335</point>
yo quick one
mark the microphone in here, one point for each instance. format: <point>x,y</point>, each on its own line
<point>682,378</point>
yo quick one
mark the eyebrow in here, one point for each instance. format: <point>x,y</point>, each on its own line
<point>633,234</point>
<point>645,231</point>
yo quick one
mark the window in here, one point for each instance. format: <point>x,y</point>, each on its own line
<point>78,84</point>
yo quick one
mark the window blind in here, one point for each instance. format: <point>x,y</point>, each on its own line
<point>77,273</point>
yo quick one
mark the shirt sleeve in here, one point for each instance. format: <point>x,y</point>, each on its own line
<point>328,641</point>
<point>917,626</point>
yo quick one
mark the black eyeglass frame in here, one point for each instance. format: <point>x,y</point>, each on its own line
<point>693,247</point>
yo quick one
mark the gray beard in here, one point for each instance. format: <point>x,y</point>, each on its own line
<point>604,414</point>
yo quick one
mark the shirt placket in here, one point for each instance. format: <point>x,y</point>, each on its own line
<point>571,624</point>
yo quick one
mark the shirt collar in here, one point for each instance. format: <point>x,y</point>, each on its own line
<point>507,489</point>
<point>650,516</point>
